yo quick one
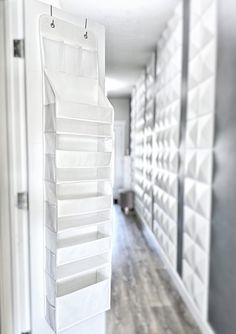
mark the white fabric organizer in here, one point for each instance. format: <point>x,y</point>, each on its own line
<point>78,125</point>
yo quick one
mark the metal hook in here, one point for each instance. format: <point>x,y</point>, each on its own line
<point>86,32</point>
<point>53,22</point>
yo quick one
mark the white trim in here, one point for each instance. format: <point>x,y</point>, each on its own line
<point>6,290</point>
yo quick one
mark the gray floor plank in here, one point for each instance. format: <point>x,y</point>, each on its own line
<point>144,300</point>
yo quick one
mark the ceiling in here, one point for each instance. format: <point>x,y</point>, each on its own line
<point>132,30</point>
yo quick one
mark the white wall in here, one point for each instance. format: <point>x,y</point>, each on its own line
<point>122,113</point>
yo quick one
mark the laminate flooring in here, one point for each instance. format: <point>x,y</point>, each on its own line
<point>144,301</point>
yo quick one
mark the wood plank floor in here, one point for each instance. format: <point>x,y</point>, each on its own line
<point>144,301</point>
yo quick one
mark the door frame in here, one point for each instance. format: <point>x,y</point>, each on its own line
<point>6,293</point>
<point>14,223</point>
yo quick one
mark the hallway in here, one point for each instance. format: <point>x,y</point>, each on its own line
<point>144,300</point>
<point>129,102</point>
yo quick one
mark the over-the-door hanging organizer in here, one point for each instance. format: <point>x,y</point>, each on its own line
<point>78,129</point>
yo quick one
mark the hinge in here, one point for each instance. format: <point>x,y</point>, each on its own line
<point>19,48</point>
<point>22,201</point>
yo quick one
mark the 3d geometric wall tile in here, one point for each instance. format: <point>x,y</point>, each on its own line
<point>205,131</point>
<point>193,103</point>
<point>188,254</point>
<point>199,151</point>
<point>206,97</point>
<point>140,150</point>
<point>202,232</point>
<point>188,276</point>
<point>148,141</point>
<point>204,166</point>
<point>200,36</point>
<point>192,133</point>
<point>203,200</point>
<point>198,292</point>
<point>167,136</point>
<point>190,193</point>
<point>189,222</point>
<point>142,121</point>
<point>191,164</point>
<point>200,264</point>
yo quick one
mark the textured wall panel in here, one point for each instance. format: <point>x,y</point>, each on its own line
<point>132,137</point>
<point>148,141</point>
<point>167,135</point>
<point>199,151</point>
<point>137,143</point>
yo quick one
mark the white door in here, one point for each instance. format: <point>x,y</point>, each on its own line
<point>119,153</point>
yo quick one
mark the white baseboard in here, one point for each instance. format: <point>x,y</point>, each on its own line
<point>202,324</point>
